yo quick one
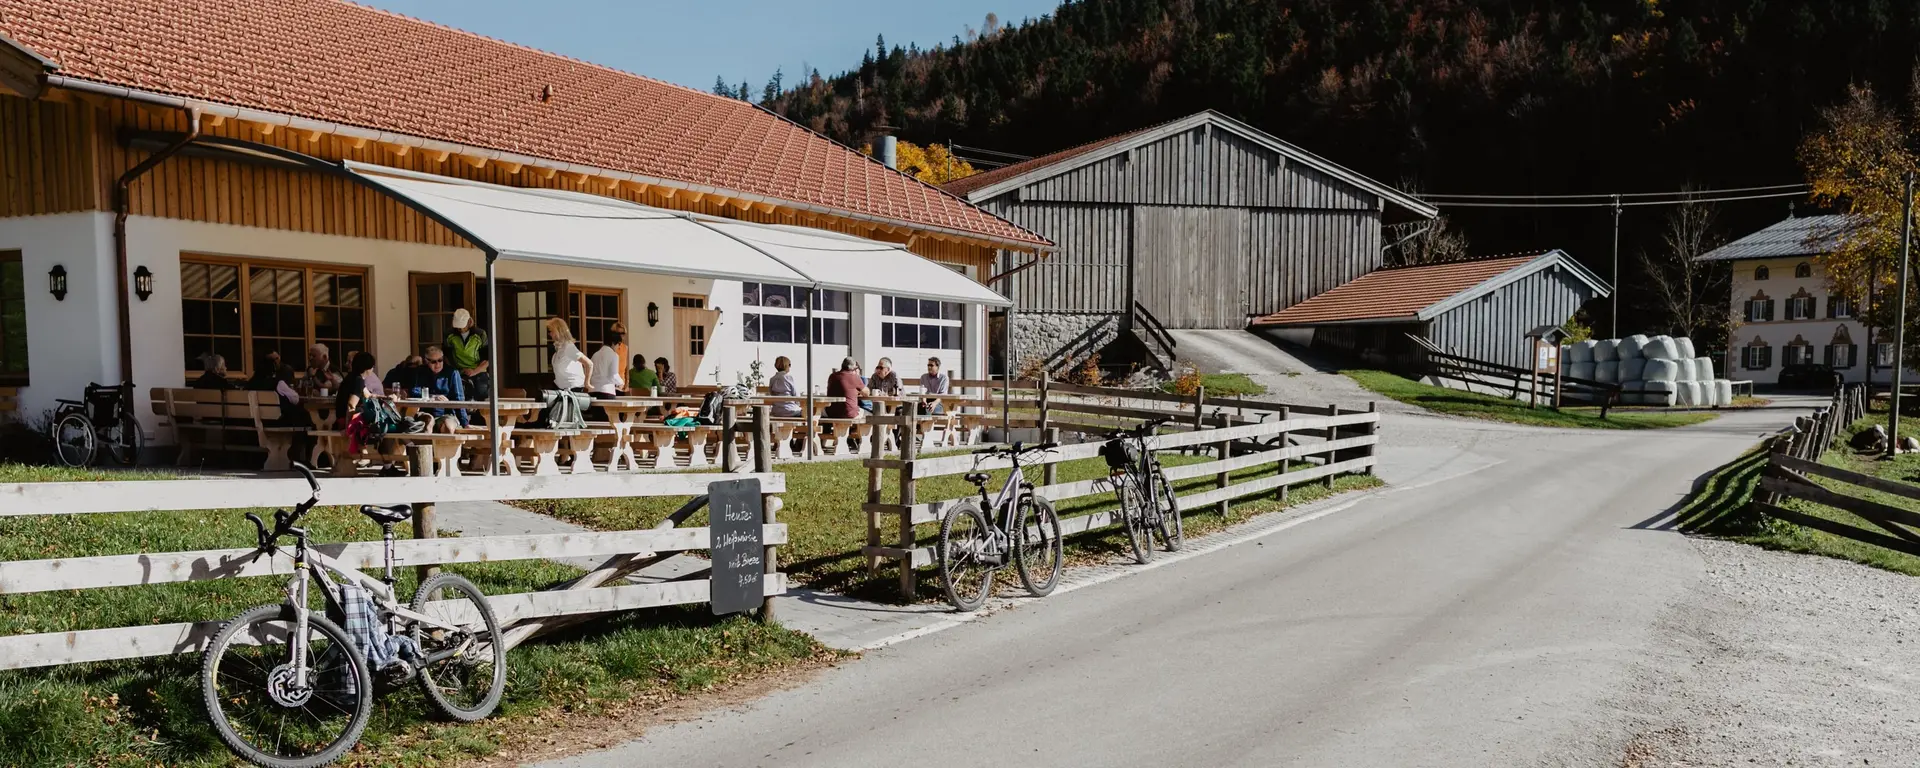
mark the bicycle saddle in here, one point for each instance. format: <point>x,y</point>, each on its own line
<point>387,515</point>
<point>977,478</point>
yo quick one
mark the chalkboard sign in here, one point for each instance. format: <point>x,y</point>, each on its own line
<point>739,559</point>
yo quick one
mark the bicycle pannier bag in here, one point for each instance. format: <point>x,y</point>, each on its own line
<point>1120,454</point>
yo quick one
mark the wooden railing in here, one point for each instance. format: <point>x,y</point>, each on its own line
<point>1795,474</point>
<point>525,615</point>
<point>1162,341</point>
<point>1811,436</point>
<point>1518,381</point>
<point>1346,440</point>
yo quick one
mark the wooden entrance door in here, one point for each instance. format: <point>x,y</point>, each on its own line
<point>1190,265</point>
<point>693,325</point>
<point>435,297</point>
<point>522,354</point>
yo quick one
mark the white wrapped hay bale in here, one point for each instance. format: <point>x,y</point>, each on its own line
<point>1723,392</point>
<point>1703,369</point>
<point>1605,350</point>
<point>1658,392</point>
<point>1685,345</point>
<point>1684,392</point>
<point>1633,346</point>
<point>1685,370</point>
<point>1581,351</point>
<point>1582,370</point>
<point>1661,348</point>
<point>1633,368</point>
<point>1607,372</point>
<point>1661,371</point>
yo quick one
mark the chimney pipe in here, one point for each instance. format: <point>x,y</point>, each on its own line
<point>887,152</point>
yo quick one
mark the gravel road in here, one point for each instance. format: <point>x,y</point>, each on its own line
<point>1777,659</point>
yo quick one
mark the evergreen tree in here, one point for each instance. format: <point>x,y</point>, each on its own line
<point>720,87</point>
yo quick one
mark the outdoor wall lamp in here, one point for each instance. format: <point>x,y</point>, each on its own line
<point>57,282</point>
<point>143,282</point>
<point>653,314</point>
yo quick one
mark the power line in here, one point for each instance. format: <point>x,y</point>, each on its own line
<point>989,151</point>
<point>1622,204</point>
<point>1609,196</point>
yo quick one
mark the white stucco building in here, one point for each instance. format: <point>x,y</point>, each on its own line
<point>1785,311</point>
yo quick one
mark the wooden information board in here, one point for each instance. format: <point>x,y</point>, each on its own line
<point>739,559</point>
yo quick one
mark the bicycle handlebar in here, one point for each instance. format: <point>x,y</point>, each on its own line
<point>1146,429</point>
<point>1015,448</point>
<point>283,520</point>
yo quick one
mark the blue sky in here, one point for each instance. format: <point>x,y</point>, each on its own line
<point>691,42</point>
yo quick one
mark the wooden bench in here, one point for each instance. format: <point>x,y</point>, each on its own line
<point>543,446</point>
<point>444,450</point>
<point>661,438</point>
<point>844,432</point>
<point>209,419</point>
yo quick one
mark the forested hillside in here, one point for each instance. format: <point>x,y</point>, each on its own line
<point>1456,96</point>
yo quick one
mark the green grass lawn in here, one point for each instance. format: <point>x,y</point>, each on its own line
<point>147,712</point>
<point>1719,507</point>
<point>1458,403</point>
<point>826,528</point>
<point>1225,385</point>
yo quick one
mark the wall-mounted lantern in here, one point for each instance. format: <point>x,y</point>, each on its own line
<point>57,282</point>
<point>653,314</point>
<point>143,282</point>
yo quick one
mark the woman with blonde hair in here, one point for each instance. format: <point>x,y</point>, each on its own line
<point>571,368</point>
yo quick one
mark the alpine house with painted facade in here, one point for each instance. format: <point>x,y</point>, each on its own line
<point>1785,311</point>
<point>1200,222</point>
<point>332,173</point>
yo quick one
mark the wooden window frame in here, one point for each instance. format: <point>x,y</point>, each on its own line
<point>577,298</point>
<point>417,279</point>
<point>20,379</point>
<point>368,303</point>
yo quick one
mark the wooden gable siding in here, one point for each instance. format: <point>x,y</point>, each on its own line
<point>1088,273</point>
<point>1490,327</point>
<point>48,158</point>
<point>1190,265</point>
<point>1298,254</point>
<point>65,156</point>
<point>1201,167</point>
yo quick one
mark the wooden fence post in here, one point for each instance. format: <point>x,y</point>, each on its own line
<point>769,503</point>
<point>1333,433</point>
<point>729,422</point>
<point>1222,479</point>
<point>909,450</point>
<point>1285,464</point>
<point>1199,407</point>
<point>876,478</point>
<point>420,464</point>
<point>1050,471</point>
<point>1045,377</point>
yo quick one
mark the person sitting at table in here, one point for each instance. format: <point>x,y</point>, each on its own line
<point>467,348</point>
<point>443,382</point>
<point>320,377</point>
<point>292,413</point>
<point>266,374</point>
<point>884,380</point>
<point>571,368</point>
<point>669,383</point>
<point>641,379</point>
<point>846,385</point>
<point>933,382</point>
<point>346,402</point>
<point>607,380</point>
<point>213,373</point>
<point>371,376</point>
<point>409,375</point>
<point>782,385</point>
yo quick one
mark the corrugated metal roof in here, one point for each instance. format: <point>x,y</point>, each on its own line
<point>1392,294</point>
<point>1795,236</point>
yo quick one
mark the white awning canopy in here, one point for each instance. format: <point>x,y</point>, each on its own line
<point>558,227</point>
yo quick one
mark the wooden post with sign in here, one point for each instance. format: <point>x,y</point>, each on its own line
<point>1543,355</point>
<point>769,504</point>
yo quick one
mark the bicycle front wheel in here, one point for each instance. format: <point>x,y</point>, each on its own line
<point>1133,515</point>
<point>967,556</point>
<point>263,712</point>
<point>125,439</point>
<point>467,683</point>
<point>1173,533</point>
<point>73,440</point>
<point>1041,551</point>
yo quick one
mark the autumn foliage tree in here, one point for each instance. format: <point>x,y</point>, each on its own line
<point>1857,163</point>
<point>933,164</point>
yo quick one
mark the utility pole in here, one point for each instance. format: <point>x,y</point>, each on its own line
<point>1900,317</point>
<point>1616,267</point>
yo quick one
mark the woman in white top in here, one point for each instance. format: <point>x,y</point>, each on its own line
<point>571,369</point>
<point>608,377</point>
<point>782,384</point>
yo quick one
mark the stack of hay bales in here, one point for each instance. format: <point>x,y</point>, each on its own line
<point>1657,370</point>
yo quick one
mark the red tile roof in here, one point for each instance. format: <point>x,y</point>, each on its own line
<point>335,61</point>
<point>966,186</point>
<point>1394,293</point>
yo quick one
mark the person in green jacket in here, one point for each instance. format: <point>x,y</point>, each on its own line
<point>466,347</point>
<point>641,379</point>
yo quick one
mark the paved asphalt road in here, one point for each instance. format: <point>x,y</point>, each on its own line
<point>1490,619</point>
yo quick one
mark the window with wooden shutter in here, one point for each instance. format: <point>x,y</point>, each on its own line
<point>1768,313</point>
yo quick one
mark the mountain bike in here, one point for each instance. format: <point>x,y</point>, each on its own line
<point>977,539</point>
<point>1147,505</point>
<point>103,418</point>
<point>289,688</point>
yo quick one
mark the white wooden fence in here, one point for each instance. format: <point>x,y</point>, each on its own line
<point>523,614</point>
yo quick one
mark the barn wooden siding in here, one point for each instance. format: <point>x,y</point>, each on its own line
<point>1204,227</point>
<point>1490,327</point>
<point>61,156</point>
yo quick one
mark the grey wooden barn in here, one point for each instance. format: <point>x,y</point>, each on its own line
<point>1202,222</point>
<point>1481,309</point>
